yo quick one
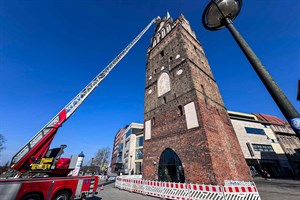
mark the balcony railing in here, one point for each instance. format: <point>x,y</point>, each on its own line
<point>282,129</point>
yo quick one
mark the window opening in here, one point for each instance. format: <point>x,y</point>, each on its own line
<point>170,168</point>
<point>180,110</point>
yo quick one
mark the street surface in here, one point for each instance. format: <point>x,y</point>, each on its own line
<point>278,189</point>
<point>274,189</point>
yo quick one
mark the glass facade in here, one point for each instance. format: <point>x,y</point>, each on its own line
<point>255,131</point>
<point>262,148</point>
<point>139,154</point>
<point>128,133</point>
<point>138,168</point>
<point>139,141</point>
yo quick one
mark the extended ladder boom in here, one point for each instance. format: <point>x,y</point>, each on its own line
<point>40,143</point>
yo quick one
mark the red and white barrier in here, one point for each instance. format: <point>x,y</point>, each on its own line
<point>206,192</point>
<point>241,192</point>
<point>185,191</point>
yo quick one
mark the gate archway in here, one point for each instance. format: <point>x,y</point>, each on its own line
<point>170,167</point>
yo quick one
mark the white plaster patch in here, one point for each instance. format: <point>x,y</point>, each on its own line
<point>150,91</point>
<point>178,56</point>
<point>163,84</point>
<point>162,68</point>
<point>179,72</point>
<point>191,115</point>
<point>150,77</point>
<point>148,130</point>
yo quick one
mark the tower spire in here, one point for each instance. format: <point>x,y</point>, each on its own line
<point>168,14</point>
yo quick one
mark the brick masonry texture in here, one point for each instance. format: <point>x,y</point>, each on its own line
<point>209,153</point>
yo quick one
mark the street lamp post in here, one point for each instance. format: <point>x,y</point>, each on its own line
<point>130,164</point>
<point>219,14</point>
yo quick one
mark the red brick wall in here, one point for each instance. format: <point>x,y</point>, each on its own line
<point>209,153</point>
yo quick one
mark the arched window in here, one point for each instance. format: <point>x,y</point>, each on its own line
<point>154,42</point>
<point>163,32</point>
<point>170,167</point>
<point>168,28</point>
<point>158,37</point>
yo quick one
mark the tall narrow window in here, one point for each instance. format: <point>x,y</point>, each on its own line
<point>168,28</point>
<point>158,37</point>
<point>203,91</point>
<point>153,121</point>
<point>154,42</point>
<point>165,100</point>
<point>180,110</point>
<point>163,32</point>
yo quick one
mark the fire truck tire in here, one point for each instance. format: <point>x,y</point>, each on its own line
<point>32,196</point>
<point>62,195</point>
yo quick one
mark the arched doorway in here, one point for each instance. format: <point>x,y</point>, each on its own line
<point>170,167</point>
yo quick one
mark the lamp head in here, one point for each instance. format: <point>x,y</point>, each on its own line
<point>217,10</point>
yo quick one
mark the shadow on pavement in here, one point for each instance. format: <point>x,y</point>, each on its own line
<point>95,198</point>
<point>105,183</point>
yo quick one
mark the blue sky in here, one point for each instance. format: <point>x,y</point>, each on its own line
<point>50,50</point>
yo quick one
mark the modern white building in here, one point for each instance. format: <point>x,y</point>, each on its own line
<point>130,149</point>
<point>259,144</point>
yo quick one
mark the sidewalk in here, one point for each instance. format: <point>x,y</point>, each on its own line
<point>112,193</point>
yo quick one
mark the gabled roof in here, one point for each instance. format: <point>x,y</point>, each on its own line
<point>272,119</point>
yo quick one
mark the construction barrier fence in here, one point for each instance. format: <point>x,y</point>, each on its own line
<point>185,191</point>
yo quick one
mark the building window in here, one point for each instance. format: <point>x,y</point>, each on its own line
<point>255,131</point>
<point>170,168</point>
<point>120,147</point>
<point>262,148</point>
<point>154,42</point>
<point>158,37</point>
<point>128,133</point>
<point>139,154</point>
<point>139,141</point>
<point>180,110</point>
<point>162,53</point>
<point>138,168</point>
<point>163,32</point>
<point>168,28</point>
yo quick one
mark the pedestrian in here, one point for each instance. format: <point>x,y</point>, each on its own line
<point>265,174</point>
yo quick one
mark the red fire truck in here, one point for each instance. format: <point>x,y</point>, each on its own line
<point>64,188</point>
<point>37,158</point>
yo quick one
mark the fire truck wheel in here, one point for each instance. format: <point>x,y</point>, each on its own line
<point>62,195</point>
<point>31,197</point>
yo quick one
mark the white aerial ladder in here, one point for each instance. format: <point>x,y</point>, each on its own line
<point>38,146</point>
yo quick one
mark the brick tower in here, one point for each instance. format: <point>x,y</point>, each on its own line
<point>188,134</point>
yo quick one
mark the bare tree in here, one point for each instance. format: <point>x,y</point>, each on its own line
<point>101,158</point>
<point>2,141</point>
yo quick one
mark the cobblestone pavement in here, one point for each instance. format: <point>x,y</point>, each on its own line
<point>273,189</point>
